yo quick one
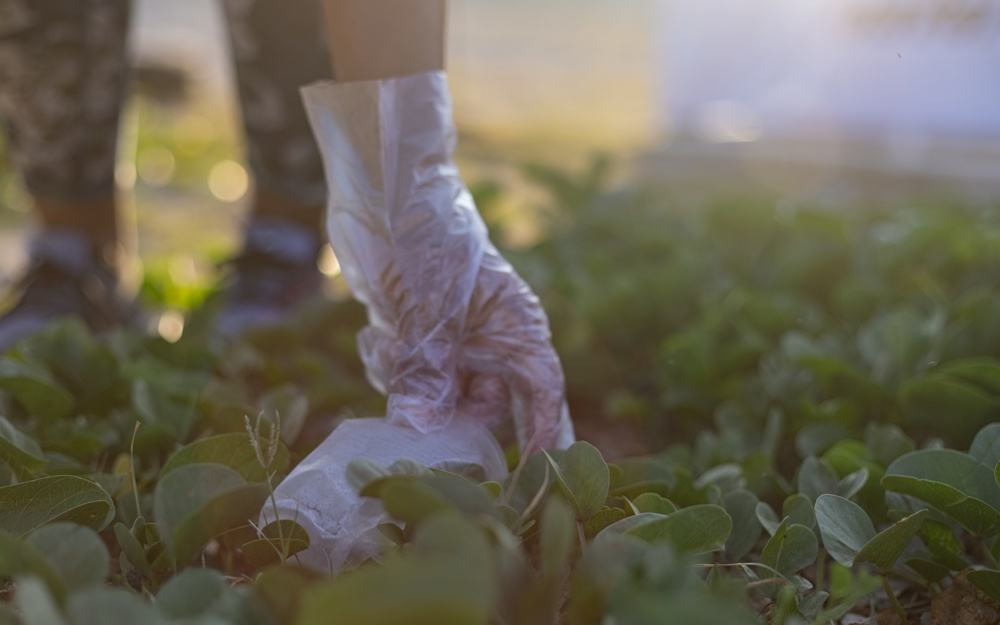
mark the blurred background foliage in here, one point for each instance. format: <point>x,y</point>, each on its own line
<point>678,296</point>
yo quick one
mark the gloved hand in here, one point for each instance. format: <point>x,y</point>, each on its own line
<point>452,329</point>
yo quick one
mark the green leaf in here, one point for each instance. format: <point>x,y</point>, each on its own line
<point>815,438</point>
<point>767,517</point>
<point>964,406</point>
<point>642,475</point>
<point>844,526</point>
<point>605,517</point>
<point>986,445</point>
<point>651,502</point>
<point>22,561</point>
<point>29,505</point>
<point>741,506</point>
<point>231,450</point>
<point>558,533</point>
<point>264,552</point>
<point>367,477</point>
<point>799,510</point>
<point>101,606</point>
<point>411,501</point>
<point>493,489</point>
<point>449,577</point>
<point>815,478</point>
<point>852,484</point>
<point>464,494</point>
<point>291,405</point>
<point>35,389</point>
<point>943,545</point>
<point>165,405</point>
<point>954,483</point>
<point>76,552</point>
<point>930,571</point>
<point>36,604</point>
<point>886,442</point>
<point>811,604</point>
<point>885,548</point>
<point>21,453</point>
<point>282,538</point>
<point>791,549</point>
<point>285,529</point>
<point>692,530</point>
<point>191,593</point>
<point>196,502</point>
<point>583,476</point>
<point>133,550</point>
<point>986,580</point>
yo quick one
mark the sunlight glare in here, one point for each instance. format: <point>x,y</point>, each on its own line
<point>228,181</point>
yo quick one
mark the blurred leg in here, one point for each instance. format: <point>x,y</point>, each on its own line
<point>277,47</point>
<point>63,72</point>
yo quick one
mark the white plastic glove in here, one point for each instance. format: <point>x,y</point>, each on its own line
<point>451,326</point>
<point>455,337</point>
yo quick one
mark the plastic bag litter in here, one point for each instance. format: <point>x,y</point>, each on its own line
<point>454,337</point>
<point>342,527</point>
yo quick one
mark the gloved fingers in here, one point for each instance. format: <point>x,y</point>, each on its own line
<point>423,389</point>
<point>485,398</point>
<point>508,334</point>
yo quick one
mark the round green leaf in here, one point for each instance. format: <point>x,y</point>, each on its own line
<point>583,477</point>
<point>852,484</point>
<point>36,604</point>
<point>986,445</point>
<point>791,549</point>
<point>651,502</point>
<point>986,580</point>
<point>767,518</point>
<point>558,533</point>
<point>885,548</point>
<point>101,606</point>
<point>291,405</point>
<point>930,571</point>
<point>604,518</point>
<point>76,552</point>
<point>844,527</point>
<point>926,399</point>
<point>954,483</point>
<point>29,505</point>
<point>35,389</point>
<point>449,577</point>
<point>815,478</point>
<point>692,530</point>
<point>741,506</point>
<point>411,501</point>
<point>21,453</point>
<point>264,552</point>
<point>20,560</point>
<point>799,510</point>
<point>133,550</point>
<point>641,475</point>
<point>886,442</point>
<point>232,450</point>
<point>195,502</point>
<point>191,593</point>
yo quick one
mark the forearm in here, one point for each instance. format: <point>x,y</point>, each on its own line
<point>377,39</point>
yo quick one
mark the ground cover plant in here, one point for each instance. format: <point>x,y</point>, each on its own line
<point>818,390</point>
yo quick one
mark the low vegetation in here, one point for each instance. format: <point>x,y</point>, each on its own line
<point>817,390</point>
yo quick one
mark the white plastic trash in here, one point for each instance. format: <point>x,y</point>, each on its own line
<point>342,527</point>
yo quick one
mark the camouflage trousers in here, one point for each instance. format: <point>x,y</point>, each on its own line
<point>64,71</point>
